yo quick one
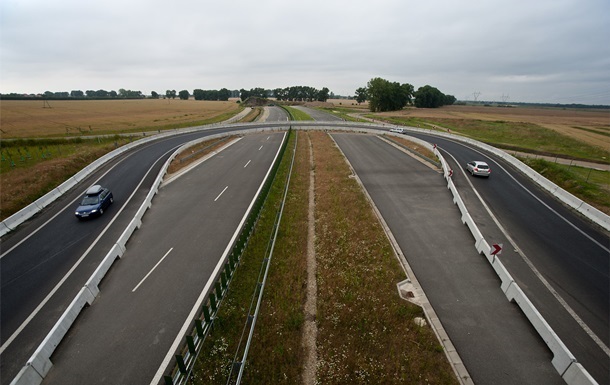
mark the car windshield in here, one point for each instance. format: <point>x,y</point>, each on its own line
<point>90,200</point>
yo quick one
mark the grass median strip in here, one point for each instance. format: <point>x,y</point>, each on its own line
<point>366,333</point>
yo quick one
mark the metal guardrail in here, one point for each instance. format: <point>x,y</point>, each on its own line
<point>187,354</point>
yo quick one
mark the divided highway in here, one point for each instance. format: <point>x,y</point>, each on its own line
<point>560,260</point>
<point>45,262</point>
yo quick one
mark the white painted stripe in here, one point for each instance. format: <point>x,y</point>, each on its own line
<point>151,270</point>
<point>260,148</point>
<point>67,275</point>
<point>248,163</point>
<point>222,192</point>
<point>211,280</point>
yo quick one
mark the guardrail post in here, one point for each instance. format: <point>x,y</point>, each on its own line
<point>181,364</point>
<point>228,271</point>
<point>218,290</point>
<point>206,314</point>
<point>191,344</point>
<point>213,302</point>
<point>199,327</point>
<point>223,280</point>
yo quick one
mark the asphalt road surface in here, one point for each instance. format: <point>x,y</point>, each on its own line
<point>146,298</point>
<point>494,339</point>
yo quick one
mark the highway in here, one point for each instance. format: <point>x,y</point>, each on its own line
<point>494,340</point>
<point>131,327</point>
<point>560,260</point>
<point>45,262</point>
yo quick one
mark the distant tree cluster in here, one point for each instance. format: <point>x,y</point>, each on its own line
<point>292,94</point>
<point>223,94</point>
<point>384,95</point>
<point>78,94</point>
<point>431,97</point>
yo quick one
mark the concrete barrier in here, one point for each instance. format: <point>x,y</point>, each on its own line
<point>92,284</point>
<point>577,375</point>
<point>563,361</point>
<point>39,364</point>
<point>562,357</point>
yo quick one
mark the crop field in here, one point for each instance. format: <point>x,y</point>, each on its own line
<point>68,118</point>
<point>585,125</point>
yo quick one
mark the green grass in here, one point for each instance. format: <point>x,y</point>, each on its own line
<point>26,153</point>
<point>592,186</point>
<point>343,113</point>
<point>297,114</point>
<point>274,355</point>
<point>517,136</point>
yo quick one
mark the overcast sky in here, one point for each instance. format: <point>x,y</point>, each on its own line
<point>554,51</point>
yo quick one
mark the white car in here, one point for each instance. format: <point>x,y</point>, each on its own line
<point>397,130</point>
<point>479,168</point>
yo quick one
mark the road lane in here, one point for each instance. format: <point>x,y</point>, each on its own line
<point>493,338</point>
<point>34,268</point>
<point>124,336</point>
<point>567,252</point>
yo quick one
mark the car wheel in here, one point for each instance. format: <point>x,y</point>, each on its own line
<point>111,200</point>
<point>101,211</point>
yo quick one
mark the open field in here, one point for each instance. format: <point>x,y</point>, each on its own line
<point>66,118</point>
<point>586,125</point>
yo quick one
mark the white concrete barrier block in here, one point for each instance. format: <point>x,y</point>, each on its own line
<point>27,376</point>
<point>562,357</point>
<point>576,374</point>
<point>93,283</point>
<point>505,277</point>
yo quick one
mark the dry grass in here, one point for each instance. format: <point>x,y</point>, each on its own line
<point>193,153</point>
<point>28,119</point>
<point>366,333</point>
<point>586,125</point>
<point>20,186</point>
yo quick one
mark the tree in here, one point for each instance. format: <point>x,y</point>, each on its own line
<point>154,95</point>
<point>384,95</point>
<point>243,94</point>
<point>77,94</point>
<point>224,94</point>
<point>323,94</point>
<point>170,94</point>
<point>184,95</point>
<point>361,95</point>
<point>429,97</point>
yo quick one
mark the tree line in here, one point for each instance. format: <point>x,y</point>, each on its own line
<point>384,95</point>
<point>292,94</point>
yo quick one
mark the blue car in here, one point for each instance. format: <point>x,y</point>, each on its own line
<point>95,201</point>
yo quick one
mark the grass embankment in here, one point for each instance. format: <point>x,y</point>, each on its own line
<point>29,169</point>
<point>297,114</point>
<point>592,186</point>
<point>365,331</point>
<point>252,115</point>
<point>517,136</point>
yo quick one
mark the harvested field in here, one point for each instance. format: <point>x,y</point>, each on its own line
<point>586,125</point>
<point>33,119</point>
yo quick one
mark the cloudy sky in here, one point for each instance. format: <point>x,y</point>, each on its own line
<point>554,51</point>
